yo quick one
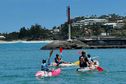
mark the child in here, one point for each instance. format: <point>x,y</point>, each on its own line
<point>44,66</point>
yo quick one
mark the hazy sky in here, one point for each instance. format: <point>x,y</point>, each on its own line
<point>15,14</point>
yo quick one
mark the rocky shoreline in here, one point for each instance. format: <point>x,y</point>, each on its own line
<point>75,44</point>
<point>86,44</point>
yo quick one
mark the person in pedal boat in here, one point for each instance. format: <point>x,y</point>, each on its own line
<point>58,60</point>
<point>44,66</point>
<point>83,61</point>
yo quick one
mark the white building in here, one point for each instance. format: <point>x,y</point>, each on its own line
<point>120,21</point>
<point>94,21</point>
<point>56,30</point>
<point>89,22</point>
<point>115,25</point>
<point>2,37</point>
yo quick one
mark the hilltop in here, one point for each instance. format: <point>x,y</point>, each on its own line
<point>82,26</point>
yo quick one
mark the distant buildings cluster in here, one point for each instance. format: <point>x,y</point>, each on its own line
<point>85,22</point>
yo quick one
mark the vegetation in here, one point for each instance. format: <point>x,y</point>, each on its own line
<point>37,32</point>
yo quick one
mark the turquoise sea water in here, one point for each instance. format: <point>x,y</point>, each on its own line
<point>19,62</point>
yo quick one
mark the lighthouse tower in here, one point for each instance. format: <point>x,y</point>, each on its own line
<point>69,24</point>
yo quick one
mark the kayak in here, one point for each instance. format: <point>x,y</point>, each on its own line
<point>55,72</point>
<point>85,69</point>
<point>93,67</point>
<point>63,64</point>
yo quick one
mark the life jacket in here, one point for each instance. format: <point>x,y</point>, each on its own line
<point>59,59</point>
<point>83,62</point>
<point>44,67</point>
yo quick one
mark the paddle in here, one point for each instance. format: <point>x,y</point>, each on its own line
<point>99,68</point>
<point>61,50</point>
<point>76,63</point>
<point>49,56</point>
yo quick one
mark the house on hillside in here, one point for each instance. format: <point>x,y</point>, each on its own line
<point>2,37</point>
<point>115,25</point>
<point>56,30</point>
<point>89,22</point>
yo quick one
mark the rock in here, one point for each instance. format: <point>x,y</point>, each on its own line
<point>75,44</point>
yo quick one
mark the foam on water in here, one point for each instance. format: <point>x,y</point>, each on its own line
<point>10,42</point>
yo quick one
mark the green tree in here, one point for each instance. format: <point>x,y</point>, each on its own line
<point>12,36</point>
<point>113,17</point>
<point>64,31</point>
<point>23,33</point>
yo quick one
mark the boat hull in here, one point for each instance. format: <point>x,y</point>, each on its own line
<point>55,72</point>
<point>64,64</point>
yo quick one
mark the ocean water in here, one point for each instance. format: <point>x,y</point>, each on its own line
<point>20,61</point>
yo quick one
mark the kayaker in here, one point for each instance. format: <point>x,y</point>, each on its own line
<point>44,66</point>
<point>83,54</point>
<point>90,61</point>
<point>83,61</point>
<point>58,60</point>
<point>89,58</point>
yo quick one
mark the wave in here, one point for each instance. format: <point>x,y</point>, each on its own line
<point>46,41</point>
<point>10,42</point>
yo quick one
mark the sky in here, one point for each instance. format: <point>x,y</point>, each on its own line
<point>15,14</point>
